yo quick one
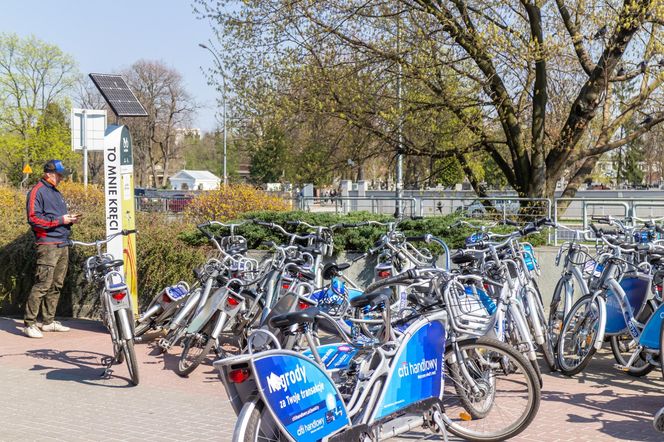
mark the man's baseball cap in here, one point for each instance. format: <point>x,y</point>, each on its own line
<point>57,167</point>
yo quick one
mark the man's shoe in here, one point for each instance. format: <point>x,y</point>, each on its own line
<point>33,332</point>
<point>55,326</point>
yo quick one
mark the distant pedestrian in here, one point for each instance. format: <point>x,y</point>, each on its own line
<point>51,224</point>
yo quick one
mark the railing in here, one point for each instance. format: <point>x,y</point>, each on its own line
<point>579,211</point>
<point>346,204</point>
<point>572,212</point>
<point>172,204</point>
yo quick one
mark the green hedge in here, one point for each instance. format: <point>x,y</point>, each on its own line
<point>356,239</point>
<point>168,248</point>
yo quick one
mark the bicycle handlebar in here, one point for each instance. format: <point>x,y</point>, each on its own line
<point>99,242</point>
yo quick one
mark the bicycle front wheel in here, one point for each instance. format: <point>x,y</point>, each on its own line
<point>578,336</point>
<point>491,391</point>
<point>130,358</point>
<point>195,349</point>
<point>623,346</point>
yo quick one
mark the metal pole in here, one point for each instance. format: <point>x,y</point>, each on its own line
<point>84,128</point>
<point>224,101</point>
<point>223,97</point>
<point>399,177</point>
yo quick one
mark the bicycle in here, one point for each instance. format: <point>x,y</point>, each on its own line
<point>280,393</point>
<point>102,270</point>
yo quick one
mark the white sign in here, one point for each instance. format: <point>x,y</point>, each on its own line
<point>112,189</point>
<point>87,129</point>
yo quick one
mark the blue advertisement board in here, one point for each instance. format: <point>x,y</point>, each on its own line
<point>301,396</point>
<point>417,373</point>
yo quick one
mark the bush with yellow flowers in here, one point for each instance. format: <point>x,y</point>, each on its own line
<point>230,201</point>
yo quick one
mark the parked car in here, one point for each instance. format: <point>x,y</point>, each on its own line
<point>178,202</point>
<point>476,209</point>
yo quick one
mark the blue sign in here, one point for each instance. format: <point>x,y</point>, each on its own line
<point>334,356</point>
<point>417,373</point>
<point>301,396</point>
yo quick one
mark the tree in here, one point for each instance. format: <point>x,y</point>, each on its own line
<point>160,89</point>
<point>269,158</point>
<point>537,78</point>
<point>35,78</point>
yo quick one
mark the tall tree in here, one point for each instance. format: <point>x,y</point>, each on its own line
<point>35,78</point>
<point>537,78</point>
<point>170,107</point>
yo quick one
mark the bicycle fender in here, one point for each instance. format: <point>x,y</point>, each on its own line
<point>125,329</point>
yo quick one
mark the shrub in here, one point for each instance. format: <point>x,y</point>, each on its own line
<point>231,201</point>
<point>162,258</point>
<point>356,239</point>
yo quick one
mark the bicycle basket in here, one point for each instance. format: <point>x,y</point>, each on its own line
<point>466,310</point>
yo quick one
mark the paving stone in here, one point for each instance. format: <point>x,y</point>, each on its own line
<point>50,389</point>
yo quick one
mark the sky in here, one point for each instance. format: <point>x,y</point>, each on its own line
<point>107,36</point>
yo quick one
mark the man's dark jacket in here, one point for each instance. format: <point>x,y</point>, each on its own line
<point>46,208</point>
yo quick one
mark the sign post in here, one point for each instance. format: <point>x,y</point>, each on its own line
<point>87,133</point>
<point>119,202</point>
<point>119,175</point>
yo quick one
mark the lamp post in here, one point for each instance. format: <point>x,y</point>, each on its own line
<point>223,101</point>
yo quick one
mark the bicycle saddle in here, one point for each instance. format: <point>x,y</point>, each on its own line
<point>332,269</point>
<point>373,299</point>
<point>306,316</point>
<point>461,258</point>
<point>237,249</point>
<point>108,265</point>
<point>305,274</point>
<point>423,301</point>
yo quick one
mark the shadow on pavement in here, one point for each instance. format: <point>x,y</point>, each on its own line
<point>10,326</point>
<point>88,367</point>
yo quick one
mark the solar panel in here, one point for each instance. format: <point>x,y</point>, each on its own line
<point>118,95</point>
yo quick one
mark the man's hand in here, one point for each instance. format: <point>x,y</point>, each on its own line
<point>70,219</point>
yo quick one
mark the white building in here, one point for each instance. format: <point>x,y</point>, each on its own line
<point>194,180</point>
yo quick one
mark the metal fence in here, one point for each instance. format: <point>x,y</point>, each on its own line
<point>347,204</point>
<point>573,212</point>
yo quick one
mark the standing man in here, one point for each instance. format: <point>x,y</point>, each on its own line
<point>51,224</point>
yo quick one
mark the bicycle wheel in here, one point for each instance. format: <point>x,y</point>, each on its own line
<point>498,397</point>
<point>576,345</point>
<point>195,349</point>
<point>547,348</point>
<point>622,347</point>
<point>130,358</point>
<point>142,327</point>
<point>557,310</point>
<point>259,426</point>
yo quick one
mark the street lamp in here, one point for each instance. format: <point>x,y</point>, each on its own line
<point>223,100</point>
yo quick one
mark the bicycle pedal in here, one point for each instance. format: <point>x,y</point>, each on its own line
<point>621,367</point>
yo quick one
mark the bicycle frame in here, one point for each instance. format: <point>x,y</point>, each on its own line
<point>283,380</point>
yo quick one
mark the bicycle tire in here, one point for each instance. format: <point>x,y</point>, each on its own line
<point>566,368</point>
<point>547,349</point>
<point>516,363</point>
<point>142,328</point>
<point>132,362</point>
<point>639,371</point>
<point>554,324</point>
<point>259,425</point>
<point>185,368</point>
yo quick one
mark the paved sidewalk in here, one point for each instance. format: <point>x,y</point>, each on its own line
<point>50,389</point>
